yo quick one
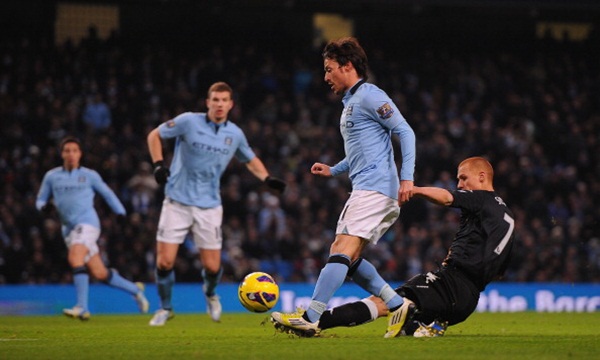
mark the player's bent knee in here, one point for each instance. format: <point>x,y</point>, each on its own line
<point>212,269</point>
<point>164,264</point>
<point>100,274</point>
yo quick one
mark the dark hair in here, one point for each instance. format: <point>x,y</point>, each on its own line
<point>220,86</point>
<point>69,139</point>
<point>346,50</point>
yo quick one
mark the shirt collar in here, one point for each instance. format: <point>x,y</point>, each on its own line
<point>75,168</point>
<point>214,125</point>
<point>208,121</point>
<point>356,86</point>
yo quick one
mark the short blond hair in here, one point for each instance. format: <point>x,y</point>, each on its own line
<point>478,163</point>
<point>220,86</point>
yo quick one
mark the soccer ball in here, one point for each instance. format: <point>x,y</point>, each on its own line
<point>258,292</point>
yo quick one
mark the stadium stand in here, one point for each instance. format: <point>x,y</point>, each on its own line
<point>530,104</point>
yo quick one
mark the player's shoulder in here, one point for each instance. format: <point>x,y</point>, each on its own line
<point>232,129</point>
<point>497,199</point>
<point>192,116</point>
<point>88,171</point>
<point>476,193</point>
<point>372,90</point>
<point>490,198</point>
<point>185,117</point>
<point>488,202</point>
<point>54,172</point>
<point>233,126</point>
<point>478,196</point>
<point>370,87</point>
<point>371,95</point>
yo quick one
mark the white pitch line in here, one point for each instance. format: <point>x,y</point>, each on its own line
<point>19,339</point>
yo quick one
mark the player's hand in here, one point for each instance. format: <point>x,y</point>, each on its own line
<point>405,192</point>
<point>122,220</point>
<point>275,183</point>
<point>321,169</point>
<point>161,172</point>
<point>47,209</point>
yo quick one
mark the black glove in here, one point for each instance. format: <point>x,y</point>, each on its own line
<point>161,172</point>
<point>47,209</point>
<point>275,183</point>
<point>122,220</point>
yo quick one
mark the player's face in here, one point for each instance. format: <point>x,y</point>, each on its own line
<point>335,76</point>
<point>469,179</point>
<point>219,103</point>
<point>71,154</point>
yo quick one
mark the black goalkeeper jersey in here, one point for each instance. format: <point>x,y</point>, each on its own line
<point>483,243</point>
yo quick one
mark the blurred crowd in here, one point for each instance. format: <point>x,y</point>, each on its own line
<point>535,115</point>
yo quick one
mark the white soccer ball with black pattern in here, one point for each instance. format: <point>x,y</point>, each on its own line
<point>258,292</point>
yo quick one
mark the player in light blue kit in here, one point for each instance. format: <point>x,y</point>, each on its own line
<point>73,188</point>
<point>367,123</point>
<point>205,144</point>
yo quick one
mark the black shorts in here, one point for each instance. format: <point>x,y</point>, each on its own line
<point>445,295</point>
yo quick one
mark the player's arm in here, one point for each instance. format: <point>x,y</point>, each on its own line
<point>258,169</point>
<point>342,167</point>
<point>383,110</point>
<point>178,126</point>
<point>408,148</point>
<point>41,202</point>
<point>107,194</point>
<point>245,154</point>
<point>155,146</point>
<point>434,194</point>
<point>161,171</point>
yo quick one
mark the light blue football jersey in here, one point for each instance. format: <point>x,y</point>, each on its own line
<point>202,152</point>
<point>73,192</point>
<point>368,120</point>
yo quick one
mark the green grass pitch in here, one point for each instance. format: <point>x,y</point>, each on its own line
<point>245,336</point>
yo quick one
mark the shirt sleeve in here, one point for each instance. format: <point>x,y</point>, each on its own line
<point>409,149</point>
<point>384,111</point>
<point>467,199</point>
<point>244,152</point>
<point>174,127</point>
<point>109,196</point>
<point>340,168</point>
<point>44,193</point>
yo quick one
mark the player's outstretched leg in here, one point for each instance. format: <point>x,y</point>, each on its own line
<point>115,280</point>
<point>140,298</point>
<point>295,323</point>
<point>399,318</point>
<point>292,331</point>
